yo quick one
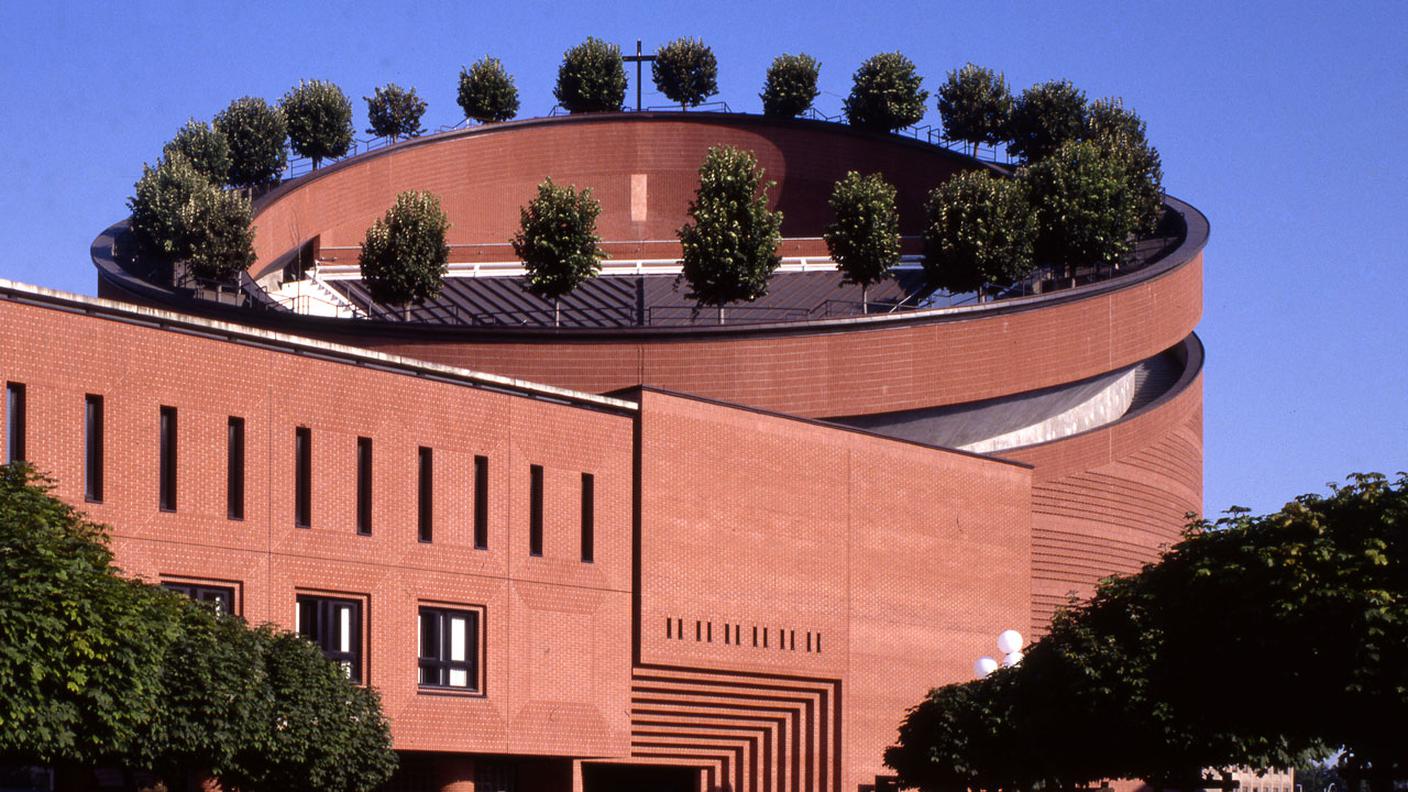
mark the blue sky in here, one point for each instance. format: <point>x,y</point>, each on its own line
<point>1284,122</point>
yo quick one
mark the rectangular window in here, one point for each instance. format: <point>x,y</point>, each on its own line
<point>234,469</point>
<point>335,625</point>
<point>303,477</point>
<point>93,448</point>
<point>166,473</point>
<point>14,422</point>
<point>535,510</point>
<point>364,486</point>
<point>481,503</point>
<point>449,649</point>
<point>588,518</point>
<point>222,598</point>
<point>425,497</point>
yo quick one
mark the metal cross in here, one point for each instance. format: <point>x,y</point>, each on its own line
<point>638,59</point>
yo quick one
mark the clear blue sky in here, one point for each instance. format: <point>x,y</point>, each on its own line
<point>1285,122</point>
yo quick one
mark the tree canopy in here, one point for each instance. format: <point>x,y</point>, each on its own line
<point>557,240</point>
<point>206,149</point>
<point>791,86</point>
<point>980,232</point>
<point>592,78</point>
<point>1045,116</point>
<point>256,134</point>
<point>404,255</point>
<point>730,243</point>
<point>394,112</point>
<point>1109,123</point>
<point>686,71</point>
<point>177,215</point>
<point>864,239</point>
<point>487,92</point>
<point>1255,641</point>
<point>886,94</point>
<point>319,118</point>
<point>975,105</point>
<point>1085,205</point>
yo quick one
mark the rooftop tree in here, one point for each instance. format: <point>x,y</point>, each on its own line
<point>1086,210</point>
<point>592,78</point>
<point>557,242</point>
<point>1122,130</point>
<point>886,94</point>
<point>319,117</point>
<point>979,233</point>
<point>206,149</point>
<point>686,71</point>
<point>1045,116</point>
<point>730,243</point>
<point>221,237</point>
<point>404,255</point>
<point>256,133</point>
<point>976,106</point>
<point>791,86</point>
<point>487,92</point>
<point>864,239</point>
<point>162,207</point>
<point>394,112</point>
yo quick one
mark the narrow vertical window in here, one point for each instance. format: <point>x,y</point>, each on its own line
<point>166,474</point>
<point>364,486</point>
<point>425,501</point>
<point>93,448</point>
<point>303,477</point>
<point>481,503</point>
<point>14,422</point>
<point>588,518</point>
<point>535,510</point>
<point>234,468</point>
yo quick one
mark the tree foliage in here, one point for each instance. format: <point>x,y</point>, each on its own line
<point>394,112</point>
<point>980,232</point>
<point>1110,124</point>
<point>1085,206</point>
<point>221,238</point>
<point>730,243</point>
<point>592,78</point>
<point>686,71</point>
<point>557,240</point>
<point>864,239</point>
<point>1256,641</point>
<point>1045,116</point>
<point>487,92</point>
<point>256,134</point>
<point>319,118</point>
<point>404,256</point>
<point>177,215</point>
<point>975,105</point>
<point>791,86</point>
<point>886,94</point>
<point>206,149</point>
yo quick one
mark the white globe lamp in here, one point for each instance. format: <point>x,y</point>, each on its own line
<point>1009,641</point>
<point>984,666</point>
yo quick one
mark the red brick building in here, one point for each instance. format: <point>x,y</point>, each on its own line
<point>695,556</point>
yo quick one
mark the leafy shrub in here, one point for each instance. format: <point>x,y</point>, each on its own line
<point>404,255</point>
<point>487,92</point>
<point>791,86</point>
<point>319,118</point>
<point>686,71</point>
<point>256,134</point>
<point>592,78</point>
<point>886,94</point>
<point>394,112</point>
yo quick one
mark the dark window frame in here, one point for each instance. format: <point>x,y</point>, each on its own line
<point>425,494</point>
<point>15,420</point>
<point>481,503</point>
<point>302,477</point>
<point>364,486</point>
<point>437,663</point>
<point>167,459</point>
<point>202,591</point>
<point>588,518</point>
<point>93,448</point>
<point>234,468</point>
<point>535,511</point>
<point>323,629</point>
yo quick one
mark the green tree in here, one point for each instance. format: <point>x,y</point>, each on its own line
<point>256,133</point>
<point>394,112</point>
<point>730,243</point>
<point>319,118</point>
<point>1086,211</point>
<point>404,256</point>
<point>220,237</point>
<point>1109,123</point>
<point>162,207</point>
<point>592,78</point>
<point>976,106</point>
<point>864,239</point>
<point>791,86</point>
<point>886,94</point>
<point>1045,116</point>
<point>980,232</point>
<point>206,149</point>
<point>557,242</point>
<point>487,92</point>
<point>686,71</point>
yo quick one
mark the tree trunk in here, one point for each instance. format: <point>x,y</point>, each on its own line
<point>721,314</point>
<point>556,312</point>
<point>864,298</point>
